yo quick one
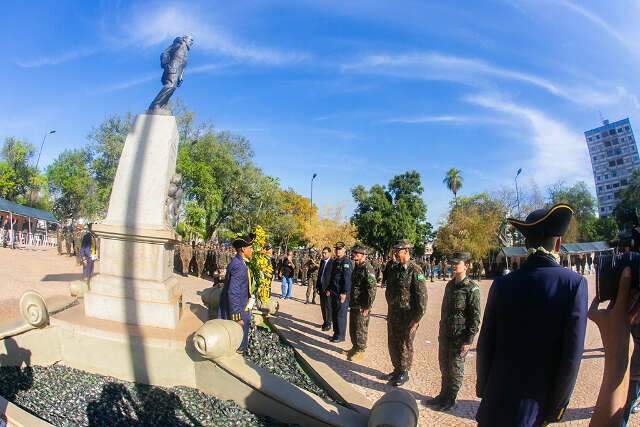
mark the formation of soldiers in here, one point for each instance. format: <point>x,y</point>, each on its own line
<point>69,240</point>
<point>202,259</point>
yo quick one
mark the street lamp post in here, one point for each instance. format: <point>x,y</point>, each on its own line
<point>31,197</point>
<point>517,192</point>
<point>42,145</point>
<point>311,210</point>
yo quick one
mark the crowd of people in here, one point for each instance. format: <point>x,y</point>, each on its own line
<point>531,337</point>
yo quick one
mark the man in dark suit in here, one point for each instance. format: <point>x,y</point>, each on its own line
<point>532,335</point>
<point>322,286</point>
<point>236,300</point>
<point>340,288</point>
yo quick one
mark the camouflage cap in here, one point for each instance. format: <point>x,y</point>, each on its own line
<point>403,244</point>
<point>459,256</point>
<point>339,245</point>
<point>359,249</point>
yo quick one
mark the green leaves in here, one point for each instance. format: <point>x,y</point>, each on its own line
<point>384,215</point>
<point>19,179</point>
<point>72,186</point>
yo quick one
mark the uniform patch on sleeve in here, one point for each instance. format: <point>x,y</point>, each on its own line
<point>371,278</point>
<point>420,277</point>
<point>346,265</point>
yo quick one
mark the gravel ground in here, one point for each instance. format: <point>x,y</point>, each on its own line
<point>69,397</point>
<point>305,320</point>
<point>268,351</point>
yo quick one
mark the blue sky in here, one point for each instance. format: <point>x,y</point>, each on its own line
<point>356,91</point>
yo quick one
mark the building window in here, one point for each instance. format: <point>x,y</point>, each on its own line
<point>606,176</point>
<point>597,136</point>
<point>612,132</point>
<point>626,128</point>
<point>614,173</point>
<point>607,143</point>
<point>612,163</point>
<point>608,187</point>
<point>619,161</point>
<point>617,151</point>
<point>590,139</point>
<point>620,130</point>
<point>624,182</point>
<point>600,188</point>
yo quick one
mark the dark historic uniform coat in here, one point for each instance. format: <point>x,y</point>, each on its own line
<point>235,296</point>
<point>530,344</point>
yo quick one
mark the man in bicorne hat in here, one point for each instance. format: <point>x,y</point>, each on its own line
<point>532,335</point>
<point>236,300</point>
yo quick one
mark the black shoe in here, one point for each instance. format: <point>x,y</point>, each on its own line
<point>326,328</point>
<point>435,402</point>
<point>337,339</point>
<point>400,379</point>
<point>447,404</point>
<point>388,377</point>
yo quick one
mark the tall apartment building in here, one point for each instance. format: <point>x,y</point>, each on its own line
<point>614,156</point>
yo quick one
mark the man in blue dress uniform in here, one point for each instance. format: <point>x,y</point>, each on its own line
<point>236,300</point>
<point>532,335</point>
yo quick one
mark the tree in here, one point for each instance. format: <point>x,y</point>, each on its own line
<point>385,215</point>
<point>582,201</point>
<point>219,176</point>
<point>293,213</point>
<point>330,228</point>
<point>471,226</point>
<point>72,186</point>
<point>627,213</point>
<point>599,229</point>
<point>453,180</point>
<point>106,144</point>
<point>18,177</point>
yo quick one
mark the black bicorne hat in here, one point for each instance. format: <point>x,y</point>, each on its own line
<point>551,222</point>
<point>243,241</point>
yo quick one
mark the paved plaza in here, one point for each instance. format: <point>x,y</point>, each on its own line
<point>49,274</point>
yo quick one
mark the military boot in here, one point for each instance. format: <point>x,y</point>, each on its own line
<point>448,403</point>
<point>389,377</point>
<point>350,352</point>
<point>401,379</point>
<point>357,356</point>
<point>434,402</point>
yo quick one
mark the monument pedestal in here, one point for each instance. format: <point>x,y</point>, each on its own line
<point>136,284</point>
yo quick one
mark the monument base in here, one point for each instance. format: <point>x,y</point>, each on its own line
<point>136,284</point>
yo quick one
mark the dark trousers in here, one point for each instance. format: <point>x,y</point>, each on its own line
<point>246,317</point>
<point>325,306</point>
<point>339,316</point>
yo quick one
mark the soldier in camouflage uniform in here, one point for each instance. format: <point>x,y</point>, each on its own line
<point>77,242</point>
<point>311,267</point>
<point>58,240</point>
<point>406,295</point>
<point>363,293</point>
<point>67,240</point>
<point>459,323</point>
<point>201,257</point>
<point>186,253</point>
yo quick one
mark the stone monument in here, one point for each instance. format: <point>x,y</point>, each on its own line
<point>135,283</point>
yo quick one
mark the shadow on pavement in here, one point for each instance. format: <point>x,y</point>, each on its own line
<point>63,277</point>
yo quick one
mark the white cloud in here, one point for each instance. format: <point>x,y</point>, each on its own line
<point>475,72</point>
<point>453,119</point>
<point>150,27</point>
<point>624,39</point>
<point>55,59</point>
<point>557,152</point>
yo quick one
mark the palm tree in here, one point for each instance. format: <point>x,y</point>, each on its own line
<point>453,180</point>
